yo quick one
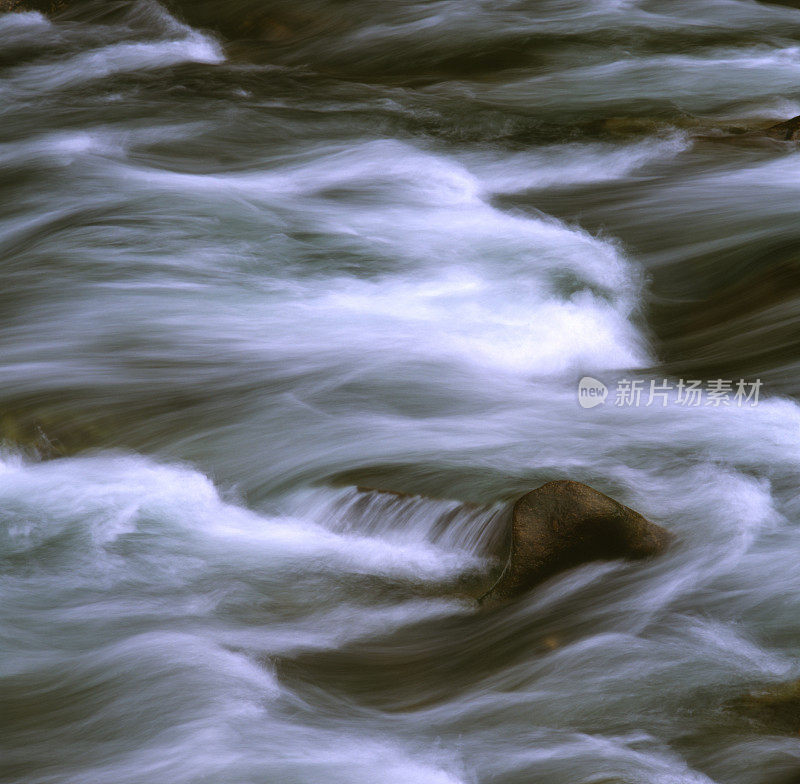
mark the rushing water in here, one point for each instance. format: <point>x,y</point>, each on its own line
<point>254,255</point>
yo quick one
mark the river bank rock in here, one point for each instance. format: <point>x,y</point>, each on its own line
<point>564,524</point>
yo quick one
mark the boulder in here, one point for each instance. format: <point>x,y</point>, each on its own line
<point>564,524</point>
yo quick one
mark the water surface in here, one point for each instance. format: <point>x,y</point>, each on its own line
<point>256,255</point>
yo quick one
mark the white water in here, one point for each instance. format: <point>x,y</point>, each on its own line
<point>245,287</point>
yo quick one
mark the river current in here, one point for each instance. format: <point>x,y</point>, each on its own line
<point>258,257</point>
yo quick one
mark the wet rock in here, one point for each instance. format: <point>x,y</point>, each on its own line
<point>275,23</point>
<point>625,126</point>
<point>48,430</point>
<point>629,126</point>
<point>745,134</point>
<point>564,524</point>
<point>43,6</point>
<point>775,709</point>
<point>788,131</point>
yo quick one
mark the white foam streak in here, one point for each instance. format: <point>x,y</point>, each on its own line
<point>112,59</point>
<point>104,499</point>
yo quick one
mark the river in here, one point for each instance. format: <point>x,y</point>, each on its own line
<point>258,257</point>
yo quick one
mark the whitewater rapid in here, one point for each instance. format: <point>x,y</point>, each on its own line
<point>378,248</point>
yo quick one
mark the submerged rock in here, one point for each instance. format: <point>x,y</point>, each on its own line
<point>775,709</point>
<point>564,524</point>
<point>743,132</point>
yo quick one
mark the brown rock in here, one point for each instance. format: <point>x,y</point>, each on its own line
<point>43,6</point>
<point>564,524</point>
<point>788,131</point>
<point>775,709</point>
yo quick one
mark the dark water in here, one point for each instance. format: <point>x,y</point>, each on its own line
<point>253,255</point>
